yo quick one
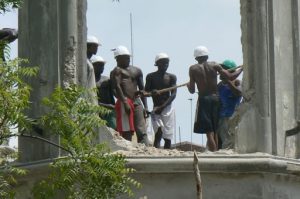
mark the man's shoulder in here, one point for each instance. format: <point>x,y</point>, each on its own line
<point>150,75</point>
<point>213,64</point>
<point>134,68</point>
<point>196,67</point>
<point>171,75</point>
<point>104,78</point>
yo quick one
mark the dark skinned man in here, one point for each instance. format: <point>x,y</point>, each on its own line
<point>126,81</point>
<point>204,75</point>
<point>230,94</point>
<point>104,91</point>
<point>163,114</point>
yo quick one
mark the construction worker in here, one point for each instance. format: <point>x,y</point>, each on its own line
<point>204,75</point>
<point>126,81</point>
<point>92,48</point>
<point>104,91</point>
<point>230,97</point>
<point>163,114</point>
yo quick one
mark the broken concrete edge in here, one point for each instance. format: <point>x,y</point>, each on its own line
<point>246,163</point>
<point>217,164</point>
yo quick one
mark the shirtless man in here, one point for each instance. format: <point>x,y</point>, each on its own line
<point>7,35</point>
<point>204,75</point>
<point>129,109</point>
<point>163,113</point>
<point>104,91</point>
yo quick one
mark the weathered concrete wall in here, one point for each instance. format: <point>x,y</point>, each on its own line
<point>52,35</point>
<point>253,176</point>
<point>270,39</point>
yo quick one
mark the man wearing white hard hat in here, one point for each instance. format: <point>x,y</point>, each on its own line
<point>204,75</point>
<point>163,114</point>
<point>105,92</point>
<point>126,80</point>
<point>92,48</point>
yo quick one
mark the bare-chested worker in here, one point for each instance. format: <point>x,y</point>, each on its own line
<point>104,91</point>
<point>163,114</point>
<point>126,80</point>
<point>7,35</point>
<point>204,74</point>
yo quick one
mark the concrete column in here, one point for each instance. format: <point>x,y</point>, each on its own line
<point>48,37</point>
<point>296,36</point>
<point>270,55</point>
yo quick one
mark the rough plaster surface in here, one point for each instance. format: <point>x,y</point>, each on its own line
<point>50,36</point>
<point>271,74</point>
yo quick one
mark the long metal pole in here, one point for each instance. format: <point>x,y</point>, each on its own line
<point>191,101</point>
<point>131,39</point>
<point>179,136</point>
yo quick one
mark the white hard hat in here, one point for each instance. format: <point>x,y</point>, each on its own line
<point>96,58</point>
<point>92,40</point>
<point>200,51</point>
<point>121,50</point>
<point>161,56</point>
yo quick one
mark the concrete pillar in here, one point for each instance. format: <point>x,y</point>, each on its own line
<point>48,37</point>
<point>296,27</point>
<point>271,55</point>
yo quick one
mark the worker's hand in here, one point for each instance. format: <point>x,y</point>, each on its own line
<point>142,93</point>
<point>155,92</point>
<point>127,108</point>
<point>188,85</point>
<point>146,113</point>
<point>158,110</point>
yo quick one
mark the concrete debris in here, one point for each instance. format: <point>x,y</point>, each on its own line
<point>119,145</point>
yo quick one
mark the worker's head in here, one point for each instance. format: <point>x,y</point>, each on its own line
<point>12,34</point>
<point>92,45</point>
<point>122,56</point>
<point>201,53</point>
<point>229,65</point>
<point>162,61</point>
<point>98,63</point>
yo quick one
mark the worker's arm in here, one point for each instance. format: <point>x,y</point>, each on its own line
<point>191,84</point>
<point>116,77</point>
<point>235,87</point>
<point>140,84</point>
<point>159,109</point>
<point>228,75</point>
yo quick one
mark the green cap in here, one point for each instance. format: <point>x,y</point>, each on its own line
<point>228,64</point>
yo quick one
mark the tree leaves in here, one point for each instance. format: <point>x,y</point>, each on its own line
<point>90,171</point>
<point>7,5</point>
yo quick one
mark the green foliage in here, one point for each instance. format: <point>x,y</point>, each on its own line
<point>14,96</point>
<point>7,177</point>
<point>4,50</point>
<point>89,171</point>
<point>14,99</point>
<point>7,5</point>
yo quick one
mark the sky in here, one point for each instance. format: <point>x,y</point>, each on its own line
<point>175,27</point>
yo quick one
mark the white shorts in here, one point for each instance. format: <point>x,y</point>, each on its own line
<point>165,120</point>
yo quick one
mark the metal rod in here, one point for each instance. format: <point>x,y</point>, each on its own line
<point>191,100</point>
<point>131,39</point>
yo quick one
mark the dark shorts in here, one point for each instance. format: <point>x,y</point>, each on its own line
<point>207,114</point>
